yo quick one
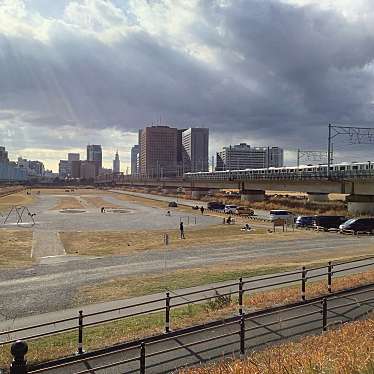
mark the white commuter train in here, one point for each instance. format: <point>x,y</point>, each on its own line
<point>344,168</point>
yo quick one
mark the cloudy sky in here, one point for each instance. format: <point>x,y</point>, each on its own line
<point>268,72</point>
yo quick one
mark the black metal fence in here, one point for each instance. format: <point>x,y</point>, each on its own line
<point>232,336</point>
<point>173,300</point>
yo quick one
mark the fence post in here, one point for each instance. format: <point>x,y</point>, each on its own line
<point>242,335</point>
<point>303,282</point>
<point>240,295</point>
<point>329,276</point>
<point>167,312</point>
<point>142,358</point>
<point>19,363</point>
<point>80,333</point>
<point>324,314</point>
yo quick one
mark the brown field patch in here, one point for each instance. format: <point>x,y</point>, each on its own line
<point>67,191</point>
<point>346,350</point>
<point>19,198</point>
<point>99,202</point>
<point>15,248</point>
<point>93,243</point>
<point>151,202</point>
<point>69,202</point>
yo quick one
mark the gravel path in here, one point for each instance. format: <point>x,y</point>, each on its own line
<point>46,243</point>
<point>38,286</point>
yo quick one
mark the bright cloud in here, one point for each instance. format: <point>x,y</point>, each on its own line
<point>268,72</point>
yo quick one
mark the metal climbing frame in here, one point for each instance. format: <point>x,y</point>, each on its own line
<point>20,211</point>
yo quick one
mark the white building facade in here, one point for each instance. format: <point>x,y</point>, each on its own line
<point>243,156</point>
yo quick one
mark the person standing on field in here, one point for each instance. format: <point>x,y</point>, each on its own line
<point>202,210</point>
<point>181,229</point>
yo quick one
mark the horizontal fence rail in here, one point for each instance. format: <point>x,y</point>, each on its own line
<point>234,335</point>
<point>173,300</point>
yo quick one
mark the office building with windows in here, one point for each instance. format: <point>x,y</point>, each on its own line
<point>243,156</point>
<point>95,154</point>
<point>135,160</point>
<point>158,151</point>
<point>195,149</point>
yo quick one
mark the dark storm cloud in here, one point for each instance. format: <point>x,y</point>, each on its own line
<point>279,73</point>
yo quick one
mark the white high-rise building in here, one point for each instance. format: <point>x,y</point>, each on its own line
<point>243,156</point>
<point>195,146</point>
<point>116,163</point>
<point>135,160</point>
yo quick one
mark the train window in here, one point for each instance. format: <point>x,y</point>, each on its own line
<point>341,168</point>
<point>355,167</point>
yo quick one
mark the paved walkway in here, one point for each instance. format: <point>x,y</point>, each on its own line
<point>46,243</point>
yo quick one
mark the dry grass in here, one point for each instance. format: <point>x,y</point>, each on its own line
<point>19,198</point>
<point>67,191</point>
<point>15,248</point>
<point>347,350</point>
<point>99,202</point>
<point>141,326</point>
<point>124,242</point>
<point>151,203</point>
<point>69,202</point>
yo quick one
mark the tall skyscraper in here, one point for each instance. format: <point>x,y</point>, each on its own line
<point>195,145</point>
<point>94,153</point>
<point>135,160</point>
<point>3,155</point>
<point>116,164</point>
<point>243,156</point>
<point>158,151</point>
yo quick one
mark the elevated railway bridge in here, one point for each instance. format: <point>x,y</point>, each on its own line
<point>358,185</point>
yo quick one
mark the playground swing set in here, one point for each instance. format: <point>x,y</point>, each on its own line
<point>21,214</point>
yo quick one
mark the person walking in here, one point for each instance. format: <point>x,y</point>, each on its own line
<point>181,229</point>
<point>202,210</point>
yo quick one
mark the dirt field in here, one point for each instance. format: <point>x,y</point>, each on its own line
<point>15,248</point>
<point>19,198</point>
<point>70,202</point>
<point>99,202</point>
<point>119,243</point>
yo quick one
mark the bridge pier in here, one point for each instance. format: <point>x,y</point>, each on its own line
<point>252,195</point>
<point>196,192</point>
<point>360,204</point>
<point>318,196</point>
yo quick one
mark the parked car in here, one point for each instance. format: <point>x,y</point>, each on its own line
<point>305,221</point>
<point>244,211</point>
<point>328,222</point>
<point>281,214</point>
<point>358,225</point>
<point>173,204</point>
<point>230,209</point>
<point>215,205</point>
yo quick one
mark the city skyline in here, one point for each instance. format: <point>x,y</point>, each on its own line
<point>223,65</point>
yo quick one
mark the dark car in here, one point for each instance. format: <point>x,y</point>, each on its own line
<point>304,221</point>
<point>328,222</point>
<point>356,225</point>
<point>214,205</point>
<point>173,204</point>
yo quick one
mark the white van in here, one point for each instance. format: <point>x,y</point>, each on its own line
<point>230,209</point>
<point>281,214</point>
